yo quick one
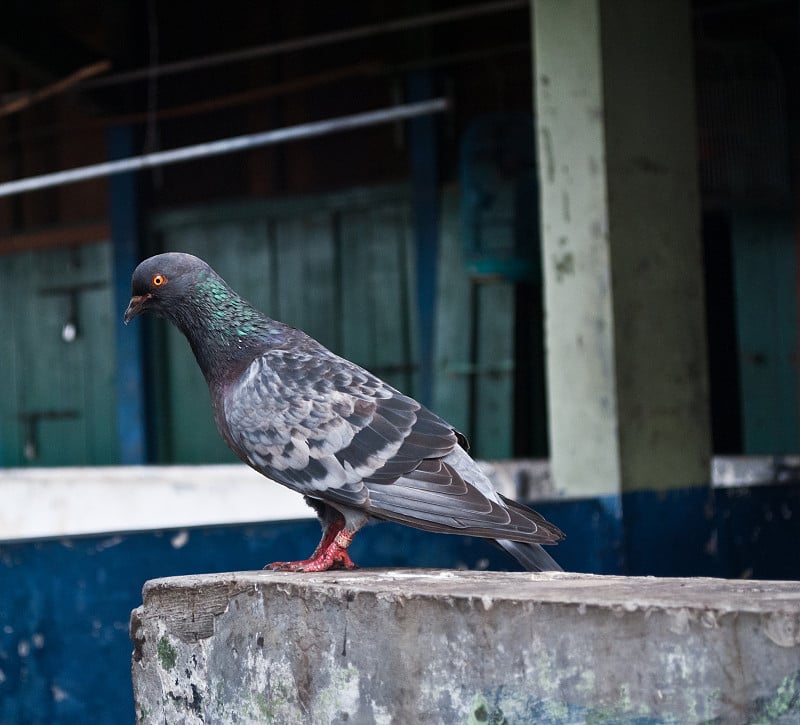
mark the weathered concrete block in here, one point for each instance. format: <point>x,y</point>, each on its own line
<point>403,646</point>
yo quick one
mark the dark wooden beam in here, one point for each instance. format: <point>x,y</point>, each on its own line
<point>73,235</point>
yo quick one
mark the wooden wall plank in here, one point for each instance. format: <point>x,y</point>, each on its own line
<point>451,389</point>
<point>318,284</point>
<point>356,312</point>
<point>389,299</point>
<point>494,369</point>
<point>13,274</point>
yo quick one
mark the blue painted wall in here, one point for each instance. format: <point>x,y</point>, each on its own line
<point>65,604</point>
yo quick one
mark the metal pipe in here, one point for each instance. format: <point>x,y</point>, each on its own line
<point>226,146</point>
<point>311,41</point>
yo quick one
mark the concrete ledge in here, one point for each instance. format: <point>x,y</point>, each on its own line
<point>89,500</point>
<point>77,501</point>
<point>381,646</point>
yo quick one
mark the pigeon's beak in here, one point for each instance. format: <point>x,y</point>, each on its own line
<point>135,306</point>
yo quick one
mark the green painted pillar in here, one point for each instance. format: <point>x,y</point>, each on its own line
<point>621,246</point>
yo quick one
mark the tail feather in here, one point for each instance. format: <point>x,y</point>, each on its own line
<point>532,556</point>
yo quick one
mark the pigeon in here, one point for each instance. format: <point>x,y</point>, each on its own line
<point>355,447</point>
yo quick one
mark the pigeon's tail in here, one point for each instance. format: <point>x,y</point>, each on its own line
<point>532,556</point>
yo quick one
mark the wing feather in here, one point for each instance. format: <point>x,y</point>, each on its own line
<point>333,431</point>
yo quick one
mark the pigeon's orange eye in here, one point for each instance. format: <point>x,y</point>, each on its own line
<point>159,280</point>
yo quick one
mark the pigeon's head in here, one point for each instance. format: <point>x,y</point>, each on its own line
<point>162,283</point>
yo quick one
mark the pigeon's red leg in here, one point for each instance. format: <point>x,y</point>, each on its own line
<point>332,556</point>
<point>331,552</point>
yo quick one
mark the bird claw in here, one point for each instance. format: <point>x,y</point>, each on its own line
<point>330,558</point>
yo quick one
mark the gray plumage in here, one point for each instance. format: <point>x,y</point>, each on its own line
<point>323,426</point>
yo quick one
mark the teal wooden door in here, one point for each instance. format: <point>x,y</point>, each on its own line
<point>336,266</point>
<point>341,267</point>
<point>58,398</point>
<point>765,281</point>
<point>489,376</point>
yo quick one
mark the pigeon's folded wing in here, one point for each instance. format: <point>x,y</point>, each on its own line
<point>331,430</point>
<point>317,423</point>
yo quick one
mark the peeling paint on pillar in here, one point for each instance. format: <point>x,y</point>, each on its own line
<point>624,303</point>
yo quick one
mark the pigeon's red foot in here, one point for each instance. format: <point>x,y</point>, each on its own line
<point>329,555</point>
